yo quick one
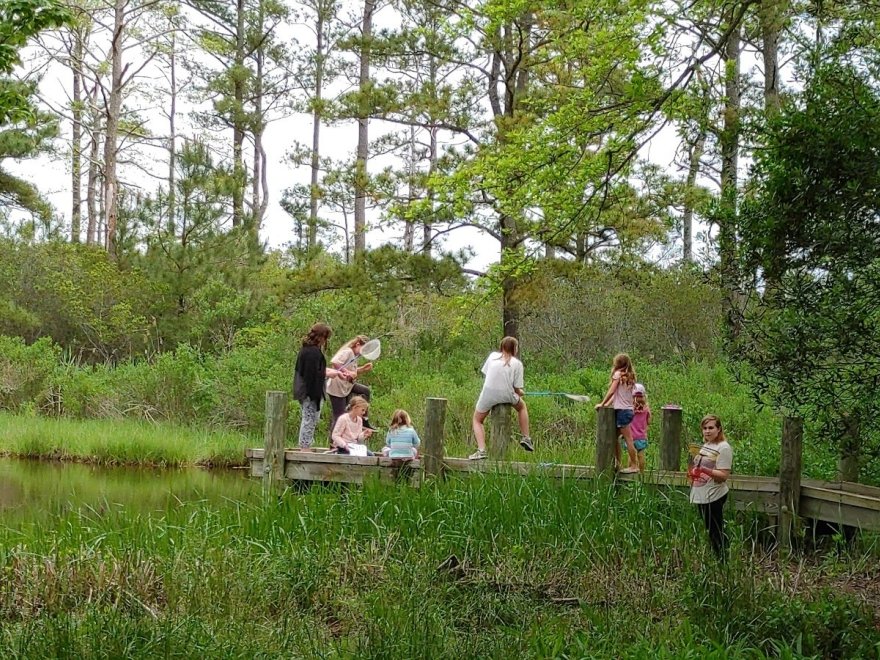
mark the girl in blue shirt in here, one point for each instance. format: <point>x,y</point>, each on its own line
<point>402,440</point>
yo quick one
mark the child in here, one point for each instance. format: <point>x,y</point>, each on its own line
<point>620,395</point>
<point>402,440</point>
<point>640,422</point>
<point>708,472</point>
<point>349,427</point>
<point>503,384</point>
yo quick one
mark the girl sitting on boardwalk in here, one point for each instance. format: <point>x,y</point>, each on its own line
<point>401,441</point>
<point>620,395</point>
<point>503,384</point>
<point>349,427</point>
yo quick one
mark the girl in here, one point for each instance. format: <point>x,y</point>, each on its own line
<point>309,375</point>
<point>708,472</point>
<point>350,426</point>
<point>503,384</point>
<point>402,440</point>
<point>620,395</point>
<point>340,389</point>
<point>640,422</point>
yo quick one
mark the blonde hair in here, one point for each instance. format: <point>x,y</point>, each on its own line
<point>717,420</point>
<point>623,364</point>
<point>355,341</point>
<point>400,418</point>
<point>358,401</point>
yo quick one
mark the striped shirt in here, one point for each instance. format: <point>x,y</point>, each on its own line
<point>402,441</point>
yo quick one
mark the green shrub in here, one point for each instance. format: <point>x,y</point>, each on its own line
<point>25,371</point>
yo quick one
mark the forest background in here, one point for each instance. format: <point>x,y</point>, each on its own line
<point>744,282</point>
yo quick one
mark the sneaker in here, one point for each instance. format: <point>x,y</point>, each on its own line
<point>629,470</point>
<point>526,443</point>
<point>478,455</point>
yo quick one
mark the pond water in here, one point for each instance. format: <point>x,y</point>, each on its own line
<point>30,490</point>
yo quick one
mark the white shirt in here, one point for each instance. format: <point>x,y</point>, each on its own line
<point>501,375</point>
<point>716,456</point>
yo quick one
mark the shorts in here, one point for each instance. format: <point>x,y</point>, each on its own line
<point>641,444</point>
<point>623,417</point>
<point>491,398</point>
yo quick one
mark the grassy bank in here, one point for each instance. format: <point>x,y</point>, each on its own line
<point>119,442</point>
<point>545,570</point>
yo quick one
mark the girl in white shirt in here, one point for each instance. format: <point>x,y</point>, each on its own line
<point>503,384</point>
<point>708,472</point>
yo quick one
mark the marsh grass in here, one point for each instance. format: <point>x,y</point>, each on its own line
<point>119,442</point>
<point>543,569</point>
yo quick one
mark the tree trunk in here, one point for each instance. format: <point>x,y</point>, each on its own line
<point>76,147</point>
<point>317,112</point>
<point>364,89</point>
<point>688,215</point>
<point>409,227</point>
<point>729,168</point>
<point>92,181</point>
<point>771,16</point>
<point>239,175</point>
<point>172,131</point>
<point>848,462</point>
<point>113,109</point>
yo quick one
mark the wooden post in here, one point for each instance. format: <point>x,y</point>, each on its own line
<point>432,445</point>
<point>606,437</point>
<point>790,479</point>
<point>274,433</point>
<point>670,439</point>
<point>848,460</point>
<point>499,431</point>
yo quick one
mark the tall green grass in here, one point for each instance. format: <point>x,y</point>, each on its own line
<point>545,569</point>
<point>120,441</point>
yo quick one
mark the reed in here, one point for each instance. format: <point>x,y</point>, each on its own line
<point>119,442</point>
<point>541,569</point>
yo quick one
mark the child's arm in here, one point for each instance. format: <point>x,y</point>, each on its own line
<point>338,435</point>
<point>612,388</point>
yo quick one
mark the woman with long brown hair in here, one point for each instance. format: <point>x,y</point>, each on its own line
<point>309,375</point>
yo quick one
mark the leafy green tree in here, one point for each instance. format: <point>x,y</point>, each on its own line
<point>810,227</point>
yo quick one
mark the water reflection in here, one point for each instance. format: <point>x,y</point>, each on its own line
<point>33,489</point>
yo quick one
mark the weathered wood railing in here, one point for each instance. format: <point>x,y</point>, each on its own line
<point>784,498</point>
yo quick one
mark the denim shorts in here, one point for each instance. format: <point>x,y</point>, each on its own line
<point>623,417</point>
<point>641,444</point>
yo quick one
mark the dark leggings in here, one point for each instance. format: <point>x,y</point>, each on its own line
<point>339,403</point>
<point>713,517</point>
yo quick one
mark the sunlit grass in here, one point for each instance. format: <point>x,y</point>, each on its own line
<point>116,442</point>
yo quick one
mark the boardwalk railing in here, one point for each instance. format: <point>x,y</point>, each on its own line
<point>784,498</point>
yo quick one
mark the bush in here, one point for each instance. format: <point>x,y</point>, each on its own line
<point>25,371</point>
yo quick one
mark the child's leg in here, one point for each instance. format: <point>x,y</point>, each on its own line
<point>630,447</point>
<point>522,414</point>
<point>479,431</point>
<point>642,461</point>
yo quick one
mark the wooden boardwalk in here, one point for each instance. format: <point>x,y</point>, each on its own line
<point>784,498</point>
<point>843,503</point>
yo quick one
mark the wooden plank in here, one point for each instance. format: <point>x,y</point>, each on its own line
<point>336,459</point>
<point>864,519</point>
<point>351,474</point>
<point>841,497</point>
<point>257,467</point>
